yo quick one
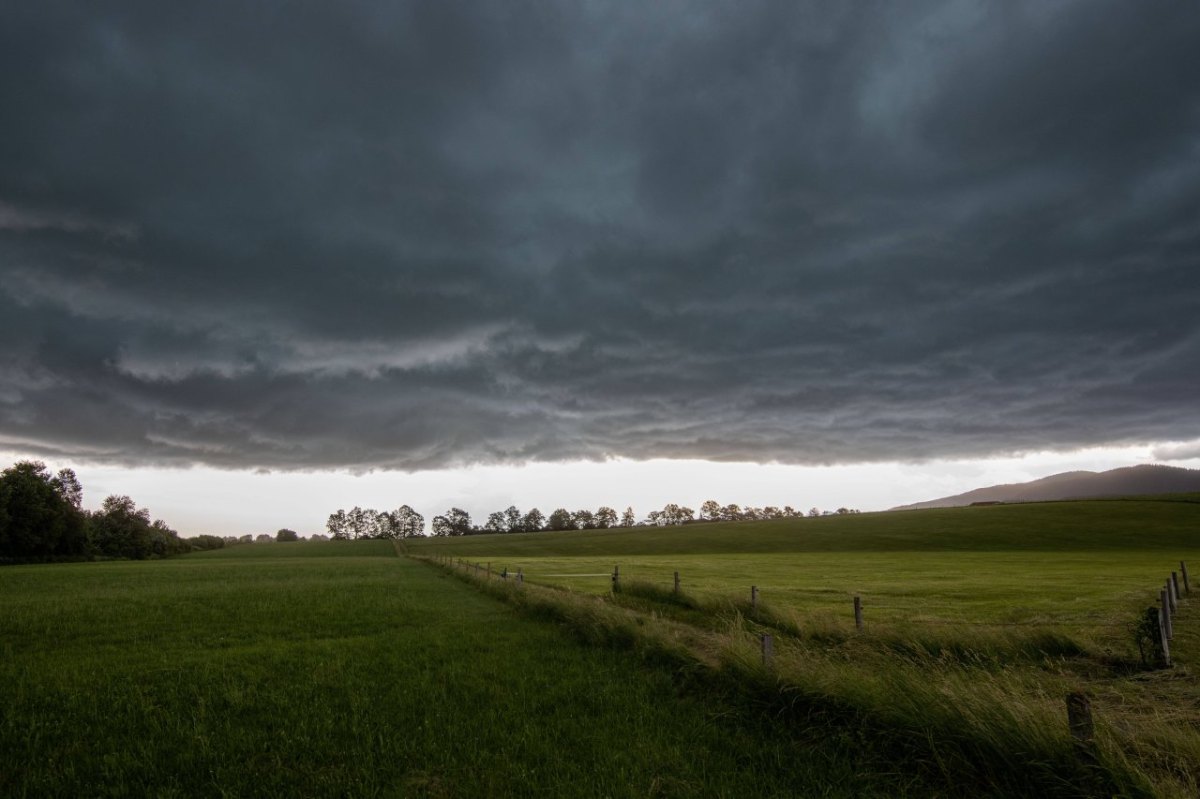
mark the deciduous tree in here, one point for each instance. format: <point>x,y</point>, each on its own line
<point>497,522</point>
<point>40,517</point>
<point>407,522</point>
<point>512,519</point>
<point>453,522</point>
<point>533,521</point>
<point>560,519</point>
<point>338,525</point>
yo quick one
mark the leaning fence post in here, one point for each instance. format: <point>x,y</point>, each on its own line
<point>1161,650</point>
<point>858,620</point>
<point>616,580</point>
<point>1083,729</point>
<point>676,582</point>
<point>768,650</point>
<point>754,598</point>
<point>1079,718</point>
<point>1164,598</point>
<point>1183,569</point>
<point>1175,586</point>
<point>1171,597</point>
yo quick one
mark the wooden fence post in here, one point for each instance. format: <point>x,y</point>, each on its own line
<point>616,580</point>
<point>676,582</point>
<point>858,620</point>
<point>1163,597</point>
<point>1171,597</point>
<point>768,651</point>
<point>1160,650</point>
<point>754,598</point>
<point>1083,729</point>
<point>520,576</point>
<point>1186,585</point>
<point>1175,586</point>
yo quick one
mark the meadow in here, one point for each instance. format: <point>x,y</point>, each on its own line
<point>978,621</point>
<point>342,669</point>
<point>369,668</point>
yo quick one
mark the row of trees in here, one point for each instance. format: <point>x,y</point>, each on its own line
<point>713,511</point>
<point>511,520</point>
<point>42,519</point>
<point>282,536</point>
<point>404,522</point>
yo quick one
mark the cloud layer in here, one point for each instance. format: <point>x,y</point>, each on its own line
<point>412,236</point>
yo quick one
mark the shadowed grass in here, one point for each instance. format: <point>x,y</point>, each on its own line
<point>362,675</point>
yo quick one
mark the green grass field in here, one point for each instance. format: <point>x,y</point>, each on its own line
<point>966,610</point>
<point>343,670</point>
<point>1082,565</point>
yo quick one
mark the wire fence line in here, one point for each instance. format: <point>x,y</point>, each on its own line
<point>1181,588</point>
<point>599,574</point>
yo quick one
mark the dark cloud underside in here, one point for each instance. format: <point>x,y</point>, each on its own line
<point>297,235</point>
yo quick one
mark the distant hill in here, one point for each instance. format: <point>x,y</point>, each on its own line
<point>1129,481</point>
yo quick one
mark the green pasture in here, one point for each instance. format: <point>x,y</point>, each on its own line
<point>1145,524</point>
<point>302,549</point>
<point>1082,590</point>
<point>1081,565</point>
<point>978,621</point>
<point>343,670</point>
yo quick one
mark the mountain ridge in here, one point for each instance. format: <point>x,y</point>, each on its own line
<point>1145,479</point>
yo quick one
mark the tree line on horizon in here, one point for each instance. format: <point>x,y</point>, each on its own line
<point>404,522</point>
<point>42,519</point>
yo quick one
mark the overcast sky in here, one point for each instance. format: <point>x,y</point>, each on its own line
<point>432,237</point>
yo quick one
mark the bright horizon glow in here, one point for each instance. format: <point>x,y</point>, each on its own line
<point>201,499</point>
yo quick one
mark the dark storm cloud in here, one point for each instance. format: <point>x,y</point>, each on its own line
<point>292,235</point>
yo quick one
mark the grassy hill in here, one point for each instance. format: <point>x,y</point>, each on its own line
<point>1085,566</point>
<point>1147,479</point>
<point>1135,523</point>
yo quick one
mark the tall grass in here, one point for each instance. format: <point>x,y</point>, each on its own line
<point>975,707</point>
<point>353,676</point>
